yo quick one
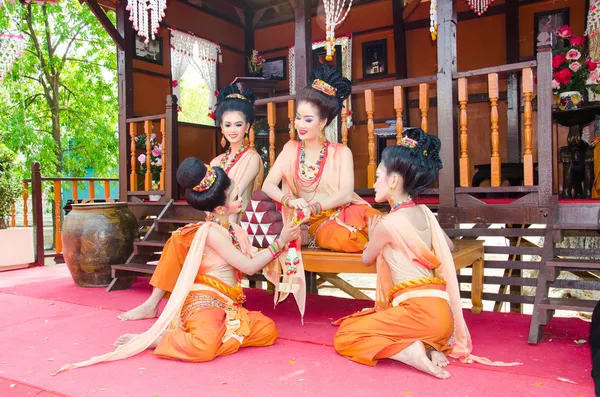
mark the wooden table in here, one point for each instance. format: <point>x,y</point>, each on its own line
<point>328,264</point>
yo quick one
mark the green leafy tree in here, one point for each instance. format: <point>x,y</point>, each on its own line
<point>59,104</point>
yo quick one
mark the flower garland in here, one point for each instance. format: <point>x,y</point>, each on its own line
<point>146,16</point>
<point>333,18</point>
<point>479,6</point>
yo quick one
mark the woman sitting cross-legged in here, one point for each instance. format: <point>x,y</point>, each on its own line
<point>418,318</point>
<point>204,316</point>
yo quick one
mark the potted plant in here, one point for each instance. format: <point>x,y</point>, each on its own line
<point>573,73</point>
<point>15,243</point>
<point>255,64</point>
<point>155,162</point>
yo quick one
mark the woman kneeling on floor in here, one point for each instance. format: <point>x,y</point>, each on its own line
<point>204,317</point>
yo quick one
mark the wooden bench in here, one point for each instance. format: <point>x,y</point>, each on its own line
<point>328,264</point>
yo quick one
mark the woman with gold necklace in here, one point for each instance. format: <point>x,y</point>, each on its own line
<point>318,175</point>
<point>235,115</point>
<point>205,317</point>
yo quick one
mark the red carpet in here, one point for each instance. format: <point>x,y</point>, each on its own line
<point>44,324</point>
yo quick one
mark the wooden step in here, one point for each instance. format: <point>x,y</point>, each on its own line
<point>135,268</point>
<point>568,304</point>
<point>148,247</point>
<point>574,264</point>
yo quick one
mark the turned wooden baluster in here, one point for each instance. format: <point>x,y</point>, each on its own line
<point>495,135</point>
<point>292,117</point>
<point>133,182</point>
<point>345,123</point>
<point>252,137</point>
<point>13,216</point>
<point>106,190</point>
<point>57,210</point>
<point>398,105</point>
<point>25,207</point>
<point>424,105</point>
<point>75,191</point>
<point>370,108</point>
<point>271,121</point>
<point>464,163</point>
<point>527,130</point>
<point>163,154</point>
<point>92,189</point>
<point>148,131</point>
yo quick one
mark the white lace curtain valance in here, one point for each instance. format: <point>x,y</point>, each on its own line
<point>202,55</point>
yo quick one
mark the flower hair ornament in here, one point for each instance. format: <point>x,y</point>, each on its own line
<point>207,181</point>
<point>237,96</point>
<point>325,88</point>
<point>410,143</point>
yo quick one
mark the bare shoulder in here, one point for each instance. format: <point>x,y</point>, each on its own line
<point>217,160</point>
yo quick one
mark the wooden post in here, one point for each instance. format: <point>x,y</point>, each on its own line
<point>495,135</point>
<point>345,123</point>
<point>424,105</point>
<point>292,117</point>
<point>398,105</point>
<point>25,206</point>
<point>465,167</point>
<point>252,137</point>
<point>57,209</point>
<point>13,216</point>
<point>527,130</point>
<point>544,118</point>
<point>163,154</point>
<point>75,188</point>
<point>303,41</point>
<point>148,176</point>
<point>92,190</point>
<point>38,215</point>
<point>271,121</point>
<point>370,108</point>
<point>172,143</point>
<point>446,94</point>
<point>106,190</point>
<point>133,176</point>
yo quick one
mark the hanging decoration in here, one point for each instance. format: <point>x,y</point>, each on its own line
<point>146,16</point>
<point>433,25</point>
<point>12,43</point>
<point>333,18</point>
<point>592,31</point>
<point>345,43</point>
<point>479,6</point>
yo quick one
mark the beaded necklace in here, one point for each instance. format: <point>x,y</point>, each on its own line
<point>309,175</point>
<point>234,240</point>
<point>227,165</point>
<point>403,204</point>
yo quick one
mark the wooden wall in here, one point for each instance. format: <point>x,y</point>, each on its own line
<point>481,42</point>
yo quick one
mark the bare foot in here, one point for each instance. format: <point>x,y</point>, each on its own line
<point>439,359</point>
<point>416,356</point>
<point>143,311</point>
<point>124,339</point>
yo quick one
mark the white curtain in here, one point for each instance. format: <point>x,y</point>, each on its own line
<point>200,54</point>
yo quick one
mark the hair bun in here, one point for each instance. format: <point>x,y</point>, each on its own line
<point>234,89</point>
<point>335,79</point>
<point>190,172</point>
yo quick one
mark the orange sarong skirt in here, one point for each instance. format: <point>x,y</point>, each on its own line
<point>368,336</point>
<point>344,229</point>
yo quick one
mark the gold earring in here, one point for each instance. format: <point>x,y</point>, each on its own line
<point>222,213</point>
<point>322,128</point>
<point>223,141</point>
<point>321,138</point>
<point>246,141</point>
<point>392,187</point>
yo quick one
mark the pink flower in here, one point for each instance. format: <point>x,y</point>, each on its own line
<point>573,55</point>
<point>152,136</point>
<point>592,8</point>
<point>142,158</point>
<point>575,66</point>
<point>576,41</point>
<point>591,65</point>
<point>174,83</point>
<point>156,152</point>
<point>565,32</point>
<point>555,85</point>
<point>593,78</point>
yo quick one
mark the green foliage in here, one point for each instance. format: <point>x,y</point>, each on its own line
<point>196,102</point>
<point>10,183</point>
<point>59,104</point>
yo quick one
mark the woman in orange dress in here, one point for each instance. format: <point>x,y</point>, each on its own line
<point>235,115</point>
<point>317,176</point>
<point>205,317</point>
<point>418,317</point>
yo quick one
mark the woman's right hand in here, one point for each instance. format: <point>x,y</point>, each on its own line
<point>298,203</point>
<point>289,233</point>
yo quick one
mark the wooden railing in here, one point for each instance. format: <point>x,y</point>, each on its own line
<point>398,87</point>
<point>159,133</point>
<point>493,92</point>
<point>36,184</point>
